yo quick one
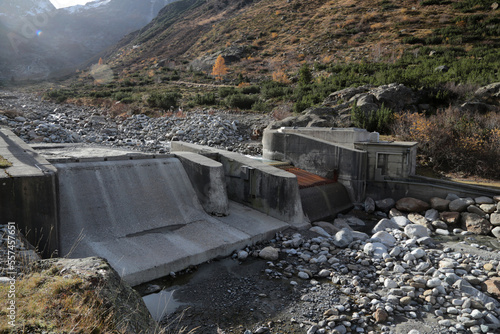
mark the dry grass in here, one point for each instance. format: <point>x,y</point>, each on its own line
<point>52,303</point>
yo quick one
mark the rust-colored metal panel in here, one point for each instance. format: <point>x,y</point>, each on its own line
<point>306,179</point>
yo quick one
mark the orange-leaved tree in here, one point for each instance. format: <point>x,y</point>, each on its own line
<point>219,69</point>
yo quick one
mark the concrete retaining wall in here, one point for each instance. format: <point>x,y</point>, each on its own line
<point>208,180</point>
<point>28,194</point>
<point>260,186</point>
<point>319,157</point>
<point>425,188</point>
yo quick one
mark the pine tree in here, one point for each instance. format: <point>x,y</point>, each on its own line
<point>219,69</point>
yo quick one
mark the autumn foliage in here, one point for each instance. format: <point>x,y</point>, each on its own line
<point>219,69</point>
<point>454,140</point>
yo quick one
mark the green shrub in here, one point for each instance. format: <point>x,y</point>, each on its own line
<point>250,90</point>
<point>59,95</point>
<point>378,120</point>
<point>305,75</point>
<point>261,105</point>
<point>205,99</point>
<point>165,100</point>
<point>241,101</point>
<point>226,91</point>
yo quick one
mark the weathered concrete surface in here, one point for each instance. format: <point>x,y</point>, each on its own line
<point>265,188</point>
<point>208,180</point>
<point>65,152</point>
<point>389,159</point>
<point>28,193</point>
<point>145,217</point>
<point>320,157</point>
<point>325,202</point>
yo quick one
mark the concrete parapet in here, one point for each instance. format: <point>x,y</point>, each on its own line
<point>208,180</point>
<point>320,157</point>
<point>265,188</point>
<point>425,188</point>
<point>28,193</point>
<point>340,136</point>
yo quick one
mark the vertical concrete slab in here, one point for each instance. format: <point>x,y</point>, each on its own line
<point>208,180</point>
<point>28,193</point>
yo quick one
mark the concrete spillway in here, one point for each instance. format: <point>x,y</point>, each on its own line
<point>145,218</point>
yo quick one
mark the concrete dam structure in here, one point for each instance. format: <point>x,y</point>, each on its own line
<point>150,215</point>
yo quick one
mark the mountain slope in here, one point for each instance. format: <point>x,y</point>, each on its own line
<point>275,34</point>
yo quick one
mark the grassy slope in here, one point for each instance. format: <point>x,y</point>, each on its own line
<point>284,34</point>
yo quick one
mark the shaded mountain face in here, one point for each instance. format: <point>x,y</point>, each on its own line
<point>39,41</point>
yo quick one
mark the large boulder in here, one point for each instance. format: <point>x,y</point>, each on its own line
<point>492,286</point>
<point>100,283</point>
<point>385,204</point>
<point>461,204</point>
<point>269,253</point>
<point>394,96</point>
<point>439,204</point>
<point>410,204</point>
<point>475,223</point>
<point>343,238</point>
<point>415,231</point>
<point>489,94</point>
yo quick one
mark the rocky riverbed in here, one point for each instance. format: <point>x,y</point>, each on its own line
<point>400,277</point>
<point>37,121</point>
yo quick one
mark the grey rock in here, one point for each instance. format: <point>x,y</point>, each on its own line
<point>369,205</point>
<point>384,224</point>
<point>476,210</point>
<point>495,219</point>
<point>385,205</point>
<point>343,238</point>
<point>320,231</point>
<point>460,204</point>
<point>269,253</point>
<point>431,215</point>
<point>386,238</point>
<point>410,204</point>
<point>496,231</point>
<point>416,231</point>
<point>484,200</point>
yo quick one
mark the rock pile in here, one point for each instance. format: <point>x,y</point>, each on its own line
<point>399,279</point>
<point>37,121</point>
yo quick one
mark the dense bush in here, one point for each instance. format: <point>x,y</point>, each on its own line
<point>250,90</point>
<point>378,120</point>
<point>241,101</point>
<point>455,141</point>
<point>207,99</point>
<point>164,101</point>
<point>58,95</point>
<point>226,91</point>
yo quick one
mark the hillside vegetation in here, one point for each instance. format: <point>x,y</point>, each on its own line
<point>285,56</point>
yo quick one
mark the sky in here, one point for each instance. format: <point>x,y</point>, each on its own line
<point>67,3</point>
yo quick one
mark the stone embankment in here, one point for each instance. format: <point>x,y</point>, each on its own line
<point>38,121</point>
<point>404,278</point>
